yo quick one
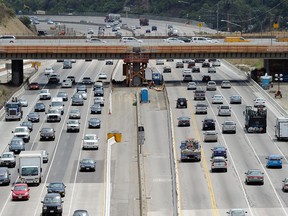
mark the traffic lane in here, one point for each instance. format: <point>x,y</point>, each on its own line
<point>200,195</point>
<point>157,170</point>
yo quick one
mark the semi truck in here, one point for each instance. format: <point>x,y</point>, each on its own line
<point>13,110</point>
<point>281,128</point>
<point>190,150</point>
<point>113,17</point>
<point>255,119</point>
<point>30,167</point>
<point>144,21</point>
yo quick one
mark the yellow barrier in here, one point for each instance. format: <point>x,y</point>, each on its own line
<point>282,39</point>
<point>110,135</point>
<point>116,135</point>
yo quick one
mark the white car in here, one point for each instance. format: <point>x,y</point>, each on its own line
<point>90,141</point>
<point>90,31</point>
<point>226,84</point>
<point>102,75</point>
<point>8,159</point>
<point>83,93</point>
<point>217,99</point>
<point>211,86</point>
<point>99,100</point>
<point>258,102</point>
<point>216,63</point>
<point>48,71</point>
<point>44,94</point>
<point>130,40</point>
<point>160,62</point>
<point>73,125</point>
<point>66,83</point>
<point>22,132</point>
<point>95,40</point>
<point>173,40</point>
<point>191,86</point>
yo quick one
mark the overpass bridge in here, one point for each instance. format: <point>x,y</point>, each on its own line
<point>136,57</point>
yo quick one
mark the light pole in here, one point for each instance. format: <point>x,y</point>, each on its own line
<point>233,24</point>
<point>278,78</point>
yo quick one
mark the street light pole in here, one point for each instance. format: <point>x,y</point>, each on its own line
<point>233,24</point>
<point>278,78</point>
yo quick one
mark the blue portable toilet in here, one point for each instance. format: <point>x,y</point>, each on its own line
<point>144,95</point>
<point>265,81</point>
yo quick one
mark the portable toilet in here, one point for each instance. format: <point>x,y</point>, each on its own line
<point>265,81</point>
<point>144,95</point>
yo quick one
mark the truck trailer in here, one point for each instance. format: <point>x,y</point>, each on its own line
<point>30,167</point>
<point>255,119</point>
<point>281,128</point>
<point>190,150</point>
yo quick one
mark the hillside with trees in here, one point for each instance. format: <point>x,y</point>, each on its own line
<point>249,15</point>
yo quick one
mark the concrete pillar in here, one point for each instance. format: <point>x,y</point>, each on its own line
<point>136,79</point>
<point>266,66</point>
<point>17,72</point>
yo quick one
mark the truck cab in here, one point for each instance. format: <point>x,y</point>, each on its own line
<point>13,110</point>
<point>57,103</point>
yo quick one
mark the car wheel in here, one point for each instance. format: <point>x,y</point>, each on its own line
<point>212,170</point>
<point>246,182</point>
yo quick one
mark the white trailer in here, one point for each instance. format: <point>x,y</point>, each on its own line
<point>281,128</point>
<point>30,167</point>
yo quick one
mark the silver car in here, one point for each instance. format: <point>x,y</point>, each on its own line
<point>235,99</point>
<point>210,136</point>
<point>73,125</point>
<point>201,107</point>
<point>224,110</point>
<point>218,164</point>
<point>191,86</point>
<point>225,84</point>
<point>44,156</point>
<point>211,86</point>
<point>229,127</point>
<point>236,212</point>
<point>74,114</point>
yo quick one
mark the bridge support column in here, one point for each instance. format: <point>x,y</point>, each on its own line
<point>17,72</point>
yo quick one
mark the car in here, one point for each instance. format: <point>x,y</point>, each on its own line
<point>254,176</point>
<point>208,124</point>
<point>102,75</point>
<point>206,78</point>
<point>44,156</point>
<point>210,136</point>
<point>191,86</point>
<point>225,84</point>
<point>63,95</point>
<point>185,39</point>
<point>90,141</point>
<point>285,185</point>
<point>34,86</point>
<point>44,94</point>
<point>99,100</point>
<point>274,161</point>
<point>48,71</point>
<point>211,70</point>
<point>95,40</point>
<point>90,31</point>
<point>130,40</point>
<point>87,164</point>
<point>218,164</point>
<point>236,212</point>
<point>8,159</point>
<point>22,132</point>
<point>201,108</point>
<point>66,83</point>
<point>211,86</point>
<point>183,121</point>
<point>216,63</point>
<point>28,124</point>
<point>181,103</point>
<point>179,64</point>
<point>169,60</point>
<point>195,69</point>
<point>50,22</point>
<point>84,94</point>
<point>259,102</point>
<point>205,64</point>
<point>5,176</point>
<point>99,91</point>
<point>191,63</point>
<point>118,34</point>
<point>224,110</point>
<point>80,212</point>
<point>20,191</point>
<point>229,126</point>
<point>94,123</point>
<point>74,114</point>
<point>148,31</point>
<point>159,61</point>
<point>235,99</point>
<point>154,28</point>
<point>56,187</point>
<point>187,78</point>
<point>96,109</point>
<point>81,88</point>
<point>109,62</point>
<point>16,145</point>
<point>33,117</point>
<point>219,151</point>
<point>217,99</point>
<point>77,99</point>
<point>53,115</point>
<point>24,102</point>
<point>52,204</point>
<point>86,81</point>
<point>54,78</point>
<point>199,94</point>
<point>67,64</point>
<point>173,40</point>
<point>39,107</point>
<point>72,78</point>
<point>166,69</point>
<point>73,125</point>
<point>47,133</point>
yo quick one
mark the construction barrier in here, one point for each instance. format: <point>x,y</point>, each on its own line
<point>116,135</point>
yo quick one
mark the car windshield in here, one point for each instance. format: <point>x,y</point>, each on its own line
<point>229,123</point>
<point>90,161</point>
<point>224,107</point>
<point>89,137</point>
<point>44,91</point>
<point>72,122</point>
<point>52,199</point>
<point>219,148</point>
<point>254,172</point>
<point>7,156</point>
<point>55,185</point>
<point>46,130</point>
<point>20,130</point>
<point>20,187</point>
<point>239,212</point>
<point>74,111</point>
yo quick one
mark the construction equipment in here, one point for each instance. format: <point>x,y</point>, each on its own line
<point>255,119</point>
<point>190,150</point>
<point>144,21</point>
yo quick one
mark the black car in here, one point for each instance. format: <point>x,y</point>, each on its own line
<point>87,80</point>
<point>208,124</point>
<point>206,78</point>
<point>33,117</point>
<point>181,102</point>
<point>87,165</point>
<point>96,109</point>
<point>183,122</point>
<point>56,187</point>
<point>39,107</point>
<point>16,145</point>
<point>80,212</point>
<point>47,134</point>
<point>63,95</point>
<point>52,204</point>
<point>94,123</point>
<point>205,64</point>
<point>82,88</point>
<point>28,124</point>
<point>219,151</point>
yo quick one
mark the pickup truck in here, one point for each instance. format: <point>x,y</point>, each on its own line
<point>22,132</point>
<point>44,94</point>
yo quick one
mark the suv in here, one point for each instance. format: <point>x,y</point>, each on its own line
<point>47,134</point>
<point>181,102</point>
<point>8,159</point>
<point>218,164</point>
<point>199,95</point>
<point>4,176</point>
<point>52,204</point>
<point>53,115</point>
<point>44,94</point>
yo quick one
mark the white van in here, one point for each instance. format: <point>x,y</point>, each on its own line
<point>199,40</point>
<point>57,103</point>
<point>7,39</point>
<point>130,40</point>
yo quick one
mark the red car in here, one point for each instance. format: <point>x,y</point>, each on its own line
<point>34,86</point>
<point>20,191</point>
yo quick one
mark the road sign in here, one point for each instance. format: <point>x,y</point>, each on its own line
<point>199,24</point>
<point>275,25</point>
